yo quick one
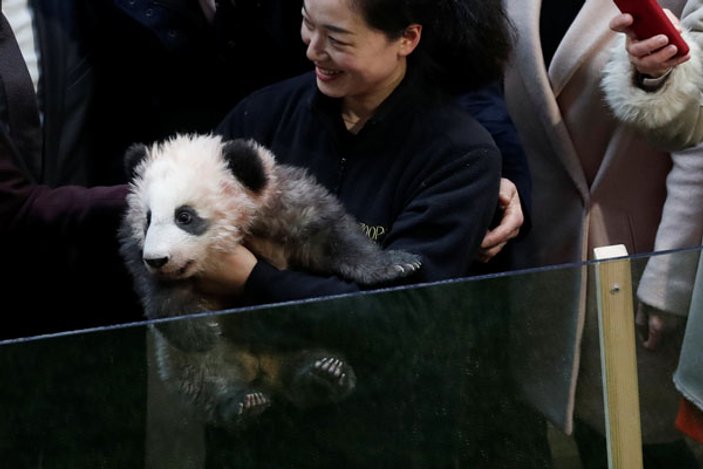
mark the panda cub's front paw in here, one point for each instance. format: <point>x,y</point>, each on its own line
<point>404,263</point>
<point>384,266</point>
<point>393,265</point>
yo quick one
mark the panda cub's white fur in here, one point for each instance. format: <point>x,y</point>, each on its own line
<point>194,197</point>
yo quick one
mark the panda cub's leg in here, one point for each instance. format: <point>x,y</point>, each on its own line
<point>243,393</point>
<point>356,257</point>
<point>320,235</point>
<point>313,378</point>
<point>222,384</point>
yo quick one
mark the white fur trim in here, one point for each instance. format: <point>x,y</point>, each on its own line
<point>651,109</point>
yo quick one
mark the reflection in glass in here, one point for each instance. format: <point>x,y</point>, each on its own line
<point>436,376</point>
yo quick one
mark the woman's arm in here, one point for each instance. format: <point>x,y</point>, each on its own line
<point>444,224</point>
<point>487,105</point>
<point>650,90</point>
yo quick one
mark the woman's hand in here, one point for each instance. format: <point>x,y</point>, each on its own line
<point>654,56</point>
<point>510,223</point>
<point>654,326</point>
<point>228,276</point>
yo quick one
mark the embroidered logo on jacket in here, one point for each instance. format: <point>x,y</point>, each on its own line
<point>374,232</point>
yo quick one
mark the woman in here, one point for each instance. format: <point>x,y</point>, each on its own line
<point>376,124</point>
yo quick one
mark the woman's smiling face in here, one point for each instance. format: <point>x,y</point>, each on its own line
<point>351,59</point>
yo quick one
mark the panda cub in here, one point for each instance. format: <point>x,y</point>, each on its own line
<point>193,197</point>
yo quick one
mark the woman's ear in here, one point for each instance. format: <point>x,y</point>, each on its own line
<point>410,39</point>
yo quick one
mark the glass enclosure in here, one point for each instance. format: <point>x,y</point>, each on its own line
<point>469,373</point>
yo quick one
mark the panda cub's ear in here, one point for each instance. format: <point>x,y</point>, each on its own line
<point>244,161</point>
<point>133,156</point>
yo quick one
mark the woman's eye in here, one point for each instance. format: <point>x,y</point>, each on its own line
<point>307,24</point>
<point>336,42</point>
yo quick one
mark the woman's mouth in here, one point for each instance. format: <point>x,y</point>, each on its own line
<point>326,74</point>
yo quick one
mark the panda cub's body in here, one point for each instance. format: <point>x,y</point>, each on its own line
<point>194,197</point>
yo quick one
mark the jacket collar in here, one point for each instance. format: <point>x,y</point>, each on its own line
<point>405,98</point>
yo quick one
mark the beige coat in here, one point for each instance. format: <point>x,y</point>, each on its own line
<point>595,183</point>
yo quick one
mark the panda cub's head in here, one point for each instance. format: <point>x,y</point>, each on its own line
<point>192,197</point>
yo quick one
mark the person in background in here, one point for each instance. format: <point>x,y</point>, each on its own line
<point>188,62</point>
<point>596,182</point>
<point>662,102</point>
<point>58,215</point>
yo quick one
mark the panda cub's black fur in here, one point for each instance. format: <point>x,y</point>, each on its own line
<point>193,197</point>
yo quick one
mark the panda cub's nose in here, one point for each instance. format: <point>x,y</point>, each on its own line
<point>156,262</point>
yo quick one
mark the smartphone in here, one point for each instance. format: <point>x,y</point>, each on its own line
<point>650,20</point>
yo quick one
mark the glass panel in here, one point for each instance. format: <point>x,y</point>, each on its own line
<point>467,373</point>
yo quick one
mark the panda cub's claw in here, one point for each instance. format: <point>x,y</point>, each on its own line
<point>384,266</point>
<point>235,411</point>
<point>334,368</point>
<point>338,376</point>
<point>323,380</point>
<point>253,404</point>
<point>398,264</point>
<point>407,269</point>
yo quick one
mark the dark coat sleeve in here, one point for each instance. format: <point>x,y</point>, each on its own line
<point>60,249</point>
<point>56,212</point>
<point>487,105</point>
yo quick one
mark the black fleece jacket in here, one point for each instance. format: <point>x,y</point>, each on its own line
<point>422,175</point>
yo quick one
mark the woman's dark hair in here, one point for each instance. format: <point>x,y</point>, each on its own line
<point>465,43</point>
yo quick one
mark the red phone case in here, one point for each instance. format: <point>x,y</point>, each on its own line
<point>650,20</point>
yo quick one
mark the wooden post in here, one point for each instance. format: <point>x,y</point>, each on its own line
<point>616,321</point>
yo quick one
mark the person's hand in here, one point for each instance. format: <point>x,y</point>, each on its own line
<point>653,325</point>
<point>228,276</point>
<point>510,223</point>
<point>653,56</point>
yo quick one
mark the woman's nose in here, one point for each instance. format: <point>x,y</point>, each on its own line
<point>314,51</point>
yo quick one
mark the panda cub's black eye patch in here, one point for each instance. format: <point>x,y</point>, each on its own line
<point>148,221</point>
<point>187,219</point>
